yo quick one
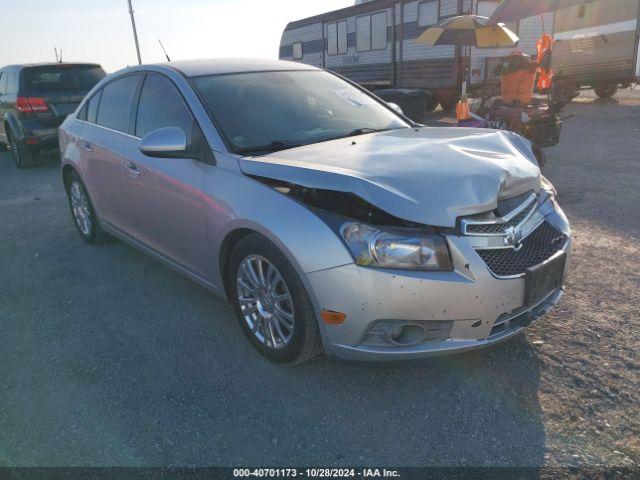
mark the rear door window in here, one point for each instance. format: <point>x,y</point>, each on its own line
<point>62,78</point>
<point>115,107</point>
<point>161,105</point>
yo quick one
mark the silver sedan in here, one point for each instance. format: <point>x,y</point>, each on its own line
<point>328,219</point>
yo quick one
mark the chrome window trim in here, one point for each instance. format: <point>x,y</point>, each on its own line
<point>107,128</point>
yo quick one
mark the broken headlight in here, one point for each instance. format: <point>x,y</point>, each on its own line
<point>396,248</point>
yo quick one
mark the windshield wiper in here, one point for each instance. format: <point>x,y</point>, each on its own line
<point>275,146</point>
<point>362,131</point>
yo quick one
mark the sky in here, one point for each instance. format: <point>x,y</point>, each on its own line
<point>100,30</point>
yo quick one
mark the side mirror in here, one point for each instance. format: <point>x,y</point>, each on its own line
<point>395,107</point>
<point>169,142</point>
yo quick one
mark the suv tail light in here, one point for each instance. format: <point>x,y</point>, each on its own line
<point>31,104</point>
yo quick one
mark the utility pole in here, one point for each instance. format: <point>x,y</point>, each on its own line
<point>135,33</point>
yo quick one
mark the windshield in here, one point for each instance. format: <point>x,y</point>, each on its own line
<point>263,112</point>
<point>62,78</point>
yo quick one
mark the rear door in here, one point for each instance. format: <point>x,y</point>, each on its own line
<point>108,123</point>
<point>62,87</point>
<point>165,202</point>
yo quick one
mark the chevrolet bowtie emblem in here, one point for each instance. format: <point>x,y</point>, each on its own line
<point>513,238</point>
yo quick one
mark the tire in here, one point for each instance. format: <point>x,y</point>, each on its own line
<point>90,232</point>
<point>260,315</point>
<point>606,90</point>
<point>22,157</point>
<point>540,154</point>
<point>564,90</point>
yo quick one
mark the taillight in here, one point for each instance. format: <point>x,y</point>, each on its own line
<point>31,104</point>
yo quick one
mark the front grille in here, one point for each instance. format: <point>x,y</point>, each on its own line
<point>498,228</point>
<point>538,247</point>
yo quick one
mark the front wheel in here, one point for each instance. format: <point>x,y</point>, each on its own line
<point>271,303</point>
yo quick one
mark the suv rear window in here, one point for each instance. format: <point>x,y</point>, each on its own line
<point>62,78</point>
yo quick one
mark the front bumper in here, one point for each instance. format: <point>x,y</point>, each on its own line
<point>481,308</point>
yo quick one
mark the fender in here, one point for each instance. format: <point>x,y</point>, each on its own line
<point>299,237</point>
<point>10,120</point>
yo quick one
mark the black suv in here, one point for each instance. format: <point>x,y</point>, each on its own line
<point>35,100</point>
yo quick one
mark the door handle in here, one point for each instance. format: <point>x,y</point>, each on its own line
<point>133,169</point>
<point>87,146</point>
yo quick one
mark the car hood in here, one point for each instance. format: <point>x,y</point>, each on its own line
<point>425,175</point>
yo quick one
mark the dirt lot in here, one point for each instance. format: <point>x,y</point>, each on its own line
<point>107,358</point>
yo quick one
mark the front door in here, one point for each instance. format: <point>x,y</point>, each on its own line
<point>164,195</point>
<point>108,118</point>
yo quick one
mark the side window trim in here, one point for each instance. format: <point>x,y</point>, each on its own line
<point>140,76</point>
<point>98,97</point>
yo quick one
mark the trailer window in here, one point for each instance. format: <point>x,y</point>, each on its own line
<point>428,13</point>
<point>297,50</point>
<point>363,33</point>
<point>379,31</point>
<point>337,38</point>
<point>342,37</point>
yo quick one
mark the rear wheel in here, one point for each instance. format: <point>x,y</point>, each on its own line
<point>271,303</point>
<point>22,157</point>
<point>82,211</point>
<point>607,90</point>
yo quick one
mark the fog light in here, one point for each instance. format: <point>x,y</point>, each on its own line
<point>403,333</point>
<point>407,335</point>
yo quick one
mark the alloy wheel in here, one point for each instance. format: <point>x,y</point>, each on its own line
<point>80,207</point>
<point>265,302</point>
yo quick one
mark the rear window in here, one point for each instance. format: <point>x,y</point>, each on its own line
<point>62,78</point>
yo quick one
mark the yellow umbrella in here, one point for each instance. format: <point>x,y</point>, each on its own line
<point>469,30</point>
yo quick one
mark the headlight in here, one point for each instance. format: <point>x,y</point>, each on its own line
<point>397,249</point>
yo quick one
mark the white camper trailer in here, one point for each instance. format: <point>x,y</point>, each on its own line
<point>597,45</point>
<point>374,44</point>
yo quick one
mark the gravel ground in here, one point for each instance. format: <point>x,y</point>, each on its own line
<point>109,359</point>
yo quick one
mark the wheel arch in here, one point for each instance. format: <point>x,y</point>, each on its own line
<point>224,255</point>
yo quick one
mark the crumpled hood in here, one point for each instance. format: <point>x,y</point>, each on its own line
<point>426,175</point>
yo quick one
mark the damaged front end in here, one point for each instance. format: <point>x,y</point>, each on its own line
<point>373,237</point>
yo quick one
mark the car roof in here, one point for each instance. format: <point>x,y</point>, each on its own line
<point>52,64</point>
<point>196,68</point>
